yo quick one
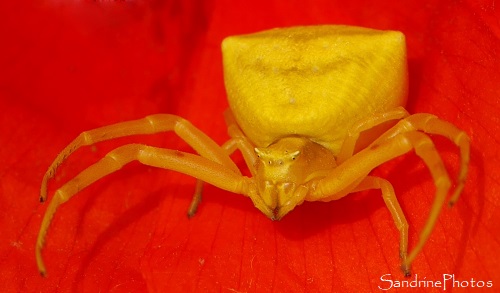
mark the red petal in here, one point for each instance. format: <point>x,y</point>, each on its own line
<point>71,67</point>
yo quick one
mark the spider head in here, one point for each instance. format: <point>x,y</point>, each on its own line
<point>279,177</point>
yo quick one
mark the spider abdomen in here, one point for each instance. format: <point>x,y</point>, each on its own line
<point>313,81</point>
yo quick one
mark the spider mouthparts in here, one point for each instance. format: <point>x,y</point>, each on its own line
<point>275,216</point>
<point>272,216</point>
<point>276,210</point>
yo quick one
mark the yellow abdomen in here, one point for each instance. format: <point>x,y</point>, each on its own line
<point>312,81</point>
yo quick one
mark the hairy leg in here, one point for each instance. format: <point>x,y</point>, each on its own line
<point>199,141</point>
<point>338,182</point>
<point>190,164</point>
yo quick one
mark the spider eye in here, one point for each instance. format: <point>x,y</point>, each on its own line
<point>293,155</point>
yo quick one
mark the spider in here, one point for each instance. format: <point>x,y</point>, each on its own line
<point>313,110</point>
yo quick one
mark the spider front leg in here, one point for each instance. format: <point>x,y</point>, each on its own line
<point>239,142</point>
<point>389,196</point>
<point>350,174</point>
<point>193,165</point>
<point>431,124</point>
<point>354,132</point>
<point>229,148</point>
<point>424,122</point>
<point>199,141</point>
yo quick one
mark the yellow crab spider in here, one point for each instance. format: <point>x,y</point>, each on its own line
<point>313,110</point>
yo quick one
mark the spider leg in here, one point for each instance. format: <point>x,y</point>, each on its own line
<point>431,124</point>
<point>199,141</point>
<point>347,149</point>
<point>229,148</point>
<point>371,182</point>
<point>344,179</point>
<point>190,164</point>
<point>239,142</point>
<point>195,202</point>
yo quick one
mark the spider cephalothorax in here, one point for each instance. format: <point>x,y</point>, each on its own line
<point>283,170</point>
<point>313,110</point>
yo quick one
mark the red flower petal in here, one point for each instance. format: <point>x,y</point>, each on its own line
<point>71,67</point>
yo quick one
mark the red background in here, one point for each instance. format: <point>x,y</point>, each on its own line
<point>65,68</point>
